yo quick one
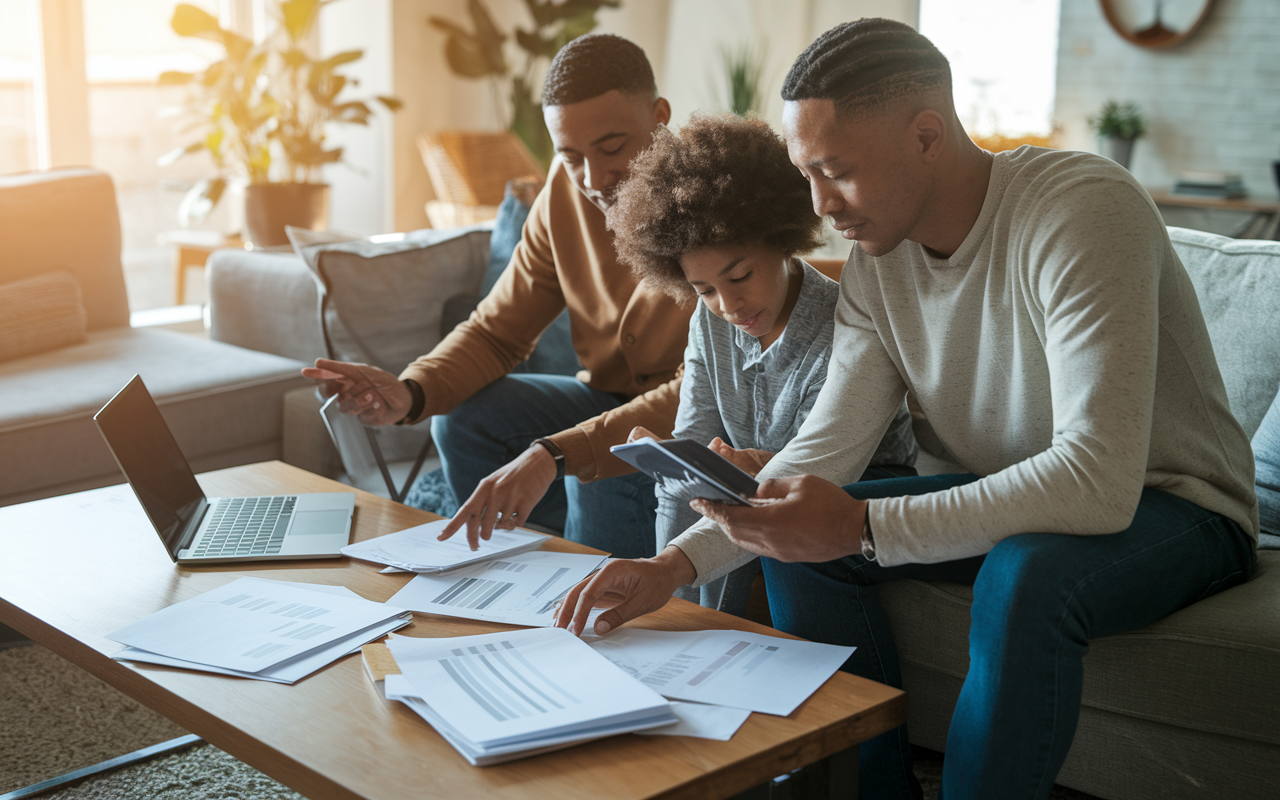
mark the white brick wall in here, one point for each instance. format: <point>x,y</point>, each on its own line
<point>1212,103</point>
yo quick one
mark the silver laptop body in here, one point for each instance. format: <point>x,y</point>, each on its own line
<point>209,530</point>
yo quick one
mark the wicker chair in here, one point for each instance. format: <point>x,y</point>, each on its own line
<point>469,171</point>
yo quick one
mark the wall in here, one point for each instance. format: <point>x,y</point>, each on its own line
<point>1211,102</point>
<point>681,38</point>
<point>436,99</point>
<point>698,30</point>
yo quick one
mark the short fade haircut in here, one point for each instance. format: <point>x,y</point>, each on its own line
<point>867,65</point>
<point>591,65</point>
<point>724,180</point>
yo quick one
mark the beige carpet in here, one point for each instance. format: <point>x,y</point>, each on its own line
<point>55,718</point>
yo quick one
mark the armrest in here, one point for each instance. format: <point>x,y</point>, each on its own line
<point>264,301</point>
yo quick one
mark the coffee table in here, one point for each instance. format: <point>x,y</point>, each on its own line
<point>80,566</point>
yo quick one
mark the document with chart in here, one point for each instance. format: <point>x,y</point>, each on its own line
<point>520,590</point>
<point>725,668</point>
<point>252,624</point>
<point>417,549</point>
<point>290,670</point>
<point>504,695</point>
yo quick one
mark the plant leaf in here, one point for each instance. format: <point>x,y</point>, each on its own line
<point>175,78</point>
<point>188,20</point>
<point>467,58</point>
<point>298,17</point>
<point>173,155</point>
<point>391,103</point>
<point>339,59</point>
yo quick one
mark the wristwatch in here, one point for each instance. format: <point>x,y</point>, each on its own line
<point>556,453</point>
<point>868,543</point>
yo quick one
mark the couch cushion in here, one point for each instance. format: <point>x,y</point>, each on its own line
<point>1238,285</point>
<point>383,297</point>
<point>554,353</point>
<point>39,314</point>
<point>1210,667</point>
<point>66,220</point>
<point>217,398</point>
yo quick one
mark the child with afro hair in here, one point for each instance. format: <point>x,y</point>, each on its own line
<point>719,214</point>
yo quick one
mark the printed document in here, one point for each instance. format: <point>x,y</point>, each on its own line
<point>725,668</point>
<point>520,590</point>
<point>294,669</point>
<point>702,722</point>
<point>416,549</point>
<point>251,624</point>
<point>512,692</point>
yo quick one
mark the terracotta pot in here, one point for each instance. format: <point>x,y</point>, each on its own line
<point>268,207</point>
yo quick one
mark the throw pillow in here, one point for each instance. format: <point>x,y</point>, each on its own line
<point>554,353</point>
<point>382,297</point>
<point>1266,455</point>
<point>40,314</point>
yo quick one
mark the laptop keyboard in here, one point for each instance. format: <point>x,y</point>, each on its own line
<point>247,526</point>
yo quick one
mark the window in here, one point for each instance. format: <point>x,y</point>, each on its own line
<point>17,86</point>
<point>1003,57</point>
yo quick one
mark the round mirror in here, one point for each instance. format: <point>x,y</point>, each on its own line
<point>1156,23</point>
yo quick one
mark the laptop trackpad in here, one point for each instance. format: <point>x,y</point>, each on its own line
<point>313,523</point>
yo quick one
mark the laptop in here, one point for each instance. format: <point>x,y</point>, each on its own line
<point>213,530</point>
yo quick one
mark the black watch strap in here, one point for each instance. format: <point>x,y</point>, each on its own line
<point>419,401</point>
<point>556,453</point>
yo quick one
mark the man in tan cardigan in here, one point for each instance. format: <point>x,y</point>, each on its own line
<point>506,439</point>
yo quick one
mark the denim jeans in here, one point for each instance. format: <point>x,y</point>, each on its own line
<point>500,421</point>
<point>1038,599</point>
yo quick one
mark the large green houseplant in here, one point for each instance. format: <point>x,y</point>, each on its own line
<point>261,113</point>
<point>480,53</point>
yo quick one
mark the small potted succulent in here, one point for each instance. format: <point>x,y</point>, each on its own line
<point>261,113</point>
<point>1117,125</point>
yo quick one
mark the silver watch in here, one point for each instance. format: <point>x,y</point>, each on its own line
<point>868,543</point>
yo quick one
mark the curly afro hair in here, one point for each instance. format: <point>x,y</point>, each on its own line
<point>591,65</point>
<point>722,180</point>
<point>867,65</point>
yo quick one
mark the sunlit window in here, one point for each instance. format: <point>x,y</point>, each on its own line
<point>1003,57</point>
<point>127,46</point>
<point>17,81</point>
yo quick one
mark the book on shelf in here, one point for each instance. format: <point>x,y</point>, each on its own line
<point>1224,185</point>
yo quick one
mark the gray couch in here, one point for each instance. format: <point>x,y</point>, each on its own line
<point>224,403</point>
<point>1186,707</point>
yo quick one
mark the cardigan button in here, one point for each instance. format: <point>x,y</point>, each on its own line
<point>629,339</point>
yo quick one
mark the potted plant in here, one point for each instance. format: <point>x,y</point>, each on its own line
<point>261,113</point>
<point>479,53</point>
<point>1117,126</point>
<point>744,75</point>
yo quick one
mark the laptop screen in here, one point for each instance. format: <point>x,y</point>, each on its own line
<point>150,459</point>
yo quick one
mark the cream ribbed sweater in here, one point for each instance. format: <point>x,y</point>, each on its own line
<point>1060,354</point>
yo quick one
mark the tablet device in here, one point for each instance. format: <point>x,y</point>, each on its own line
<point>688,470</point>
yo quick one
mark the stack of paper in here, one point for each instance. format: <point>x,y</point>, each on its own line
<point>725,668</point>
<point>502,696</point>
<point>520,590</point>
<point>417,549</point>
<point>253,628</point>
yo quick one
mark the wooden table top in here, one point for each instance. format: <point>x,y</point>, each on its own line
<point>80,566</point>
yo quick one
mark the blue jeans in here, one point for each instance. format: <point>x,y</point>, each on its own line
<point>500,421</point>
<point>1038,599</point>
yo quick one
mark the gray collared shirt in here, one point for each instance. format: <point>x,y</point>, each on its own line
<point>754,398</point>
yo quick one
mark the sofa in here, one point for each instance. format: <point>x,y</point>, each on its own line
<point>1186,707</point>
<point>61,235</point>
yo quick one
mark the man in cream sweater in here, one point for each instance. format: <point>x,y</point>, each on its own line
<point>1033,304</point>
